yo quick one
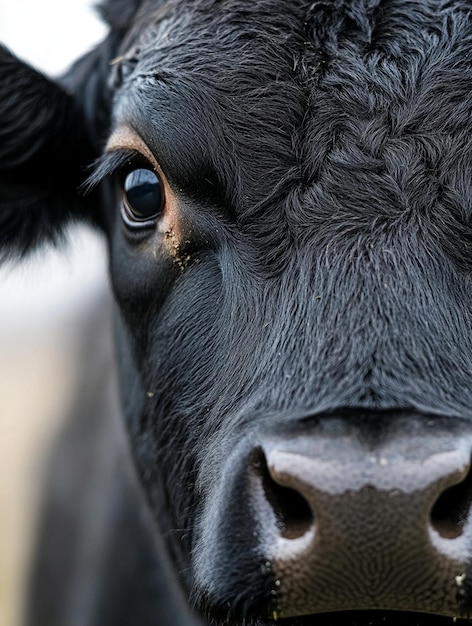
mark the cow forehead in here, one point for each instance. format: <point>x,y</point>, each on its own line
<point>358,111</point>
<point>361,59</point>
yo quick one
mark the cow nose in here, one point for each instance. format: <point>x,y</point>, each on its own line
<point>346,525</point>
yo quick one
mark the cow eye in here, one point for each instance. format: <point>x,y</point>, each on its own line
<point>143,197</point>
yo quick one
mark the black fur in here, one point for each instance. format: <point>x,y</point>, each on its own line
<point>320,154</point>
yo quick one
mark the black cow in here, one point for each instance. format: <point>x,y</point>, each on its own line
<point>285,188</point>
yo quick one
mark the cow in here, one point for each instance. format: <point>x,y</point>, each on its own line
<point>285,192</point>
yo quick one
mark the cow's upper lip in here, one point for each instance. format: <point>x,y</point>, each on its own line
<point>343,618</point>
<point>361,618</point>
<point>371,618</point>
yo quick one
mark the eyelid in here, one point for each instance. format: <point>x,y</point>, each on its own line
<point>124,147</point>
<point>125,139</point>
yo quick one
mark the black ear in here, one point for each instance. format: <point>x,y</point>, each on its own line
<point>44,149</point>
<point>50,134</point>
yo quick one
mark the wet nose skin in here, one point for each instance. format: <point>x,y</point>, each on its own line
<point>348,525</point>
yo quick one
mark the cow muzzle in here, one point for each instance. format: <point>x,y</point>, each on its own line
<point>351,520</point>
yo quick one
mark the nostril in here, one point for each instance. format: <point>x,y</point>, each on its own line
<point>451,510</point>
<point>293,513</point>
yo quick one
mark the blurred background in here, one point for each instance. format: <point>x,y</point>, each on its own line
<point>44,306</point>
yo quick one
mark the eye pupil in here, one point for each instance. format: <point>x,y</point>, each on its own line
<point>142,195</point>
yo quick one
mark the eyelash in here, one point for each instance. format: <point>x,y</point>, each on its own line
<point>110,164</point>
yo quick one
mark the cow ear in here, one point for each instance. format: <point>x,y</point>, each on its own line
<point>44,151</point>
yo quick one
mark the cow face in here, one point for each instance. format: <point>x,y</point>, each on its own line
<point>285,192</point>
